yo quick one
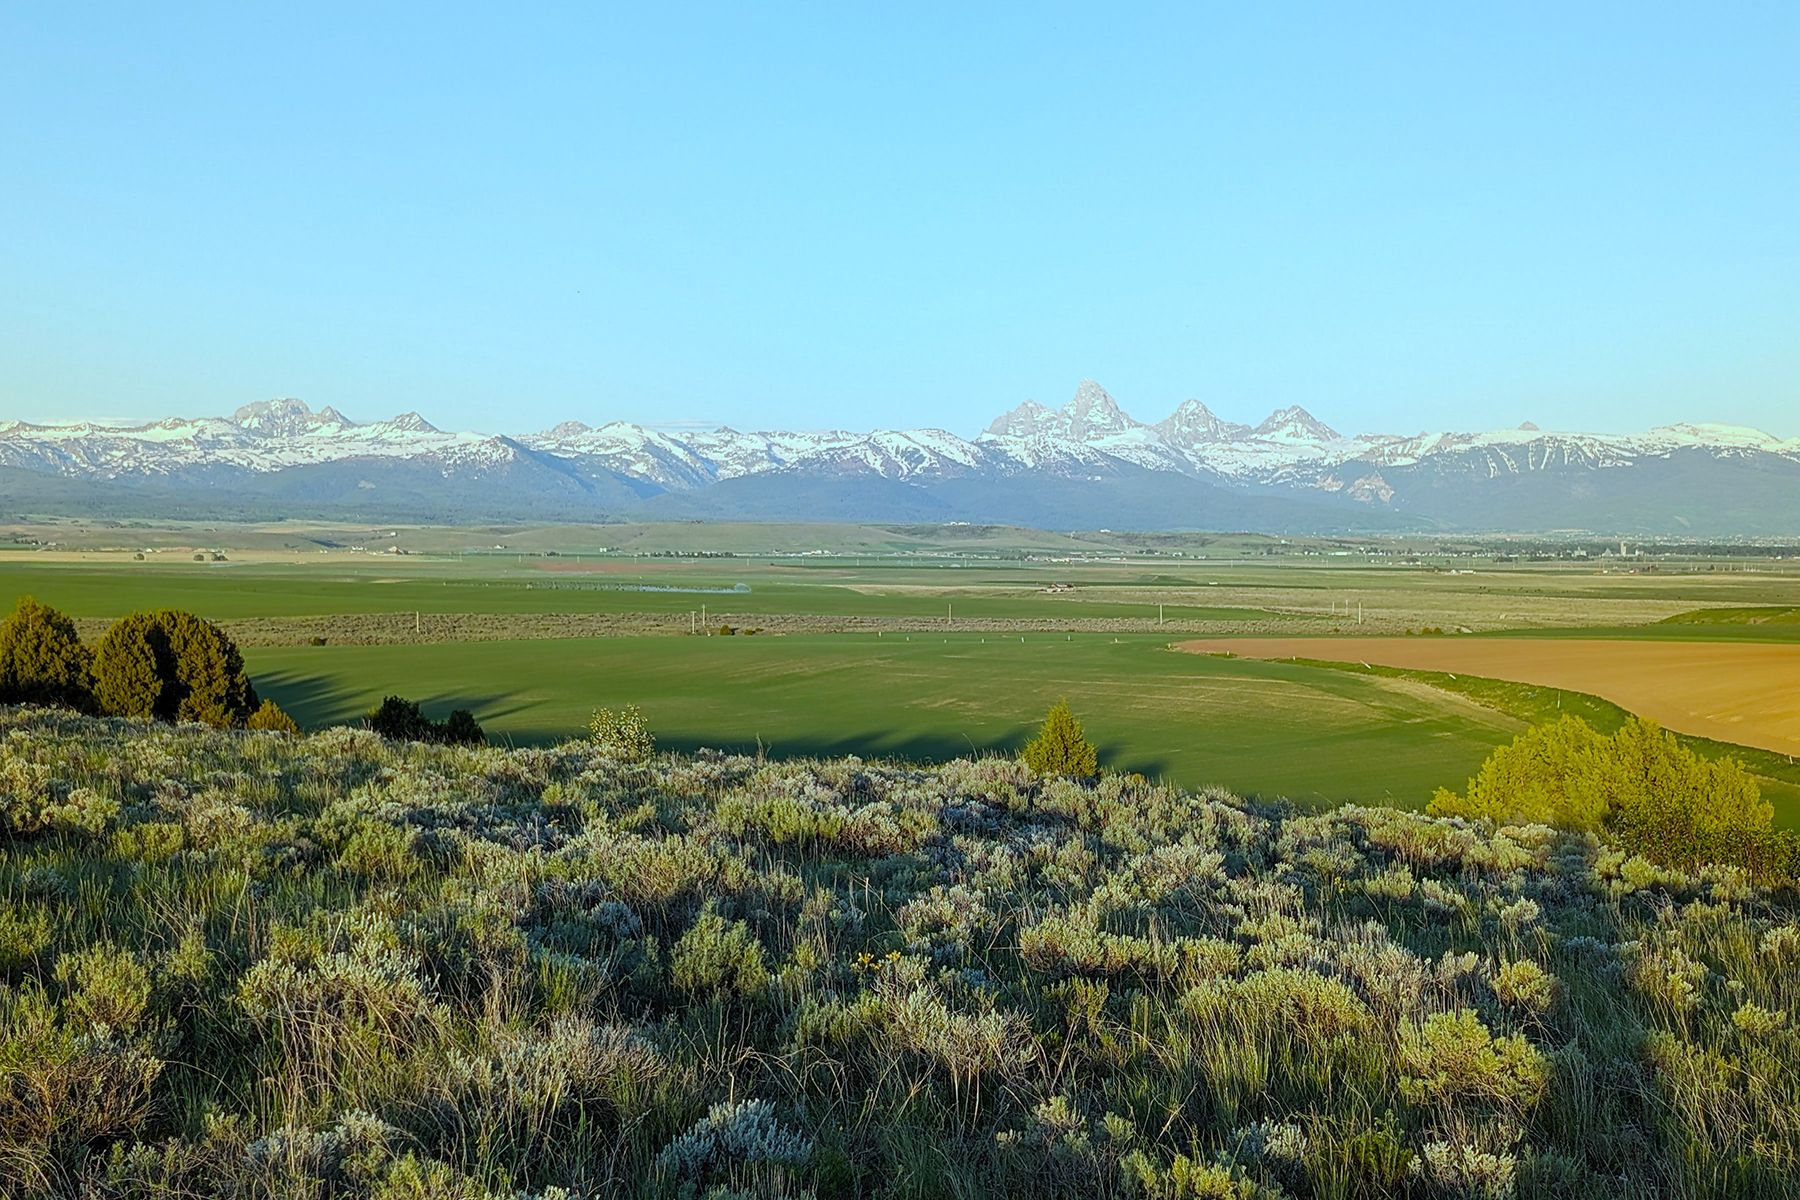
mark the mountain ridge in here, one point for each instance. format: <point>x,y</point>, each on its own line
<point>1225,470</point>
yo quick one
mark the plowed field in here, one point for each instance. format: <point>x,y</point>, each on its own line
<point>1747,693</point>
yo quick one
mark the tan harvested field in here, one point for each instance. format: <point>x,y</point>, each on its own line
<point>1747,693</point>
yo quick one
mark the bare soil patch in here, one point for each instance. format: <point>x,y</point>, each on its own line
<point>1747,693</point>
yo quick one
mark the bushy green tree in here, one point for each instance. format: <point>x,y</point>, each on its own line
<point>173,666</point>
<point>1061,748</point>
<point>1550,774</point>
<point>131,664</point>
<point>42,660</point>
<point>1674,807</point>
<point>1640,786</point>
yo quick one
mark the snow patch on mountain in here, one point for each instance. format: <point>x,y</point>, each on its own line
<point>1091,436</point>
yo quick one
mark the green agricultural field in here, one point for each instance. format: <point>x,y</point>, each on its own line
<point>828,685</point>
<point>1312,734</point>
<point>223,591</point>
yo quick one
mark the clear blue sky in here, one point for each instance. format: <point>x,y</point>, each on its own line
<point>860,215</point>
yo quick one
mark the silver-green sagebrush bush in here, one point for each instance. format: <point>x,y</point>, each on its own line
<point>622,732</point>
<point>339,966</point>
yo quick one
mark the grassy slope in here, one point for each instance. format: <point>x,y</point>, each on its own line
<point>1737,616</point>
<point>1267,728</point>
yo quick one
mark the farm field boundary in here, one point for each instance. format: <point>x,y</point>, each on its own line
<point>1747,693</point>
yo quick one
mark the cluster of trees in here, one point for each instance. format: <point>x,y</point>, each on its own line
<point>166,664</point>
<point>171,666</point>
<point>402,720</point>
<point>1639,786</point>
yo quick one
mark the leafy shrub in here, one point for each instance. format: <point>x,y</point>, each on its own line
<point>1452,1056</point>
<point>401,720</point>
<point>461,729</point>
<point>172,666</point>
<point>1462,1170</point>
<point>1188,1178</point>
<point>63,1088</point>
<point>42,660</point>
<point>718,955</point>
<point>107,986</point>
<point>1061,748</point>
<point>1640,785</point>
<point>270,718</point>
<point>24,934</point>
<point>1524,984</point>
<point>622,733</point>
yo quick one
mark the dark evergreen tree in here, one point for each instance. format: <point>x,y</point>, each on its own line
<point>42,660</point>
<point>400,719</point>
<point>131,666</point>
<point>462,730</point>
<point>173,666</point>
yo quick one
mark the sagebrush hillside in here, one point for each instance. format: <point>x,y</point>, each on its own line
<point>250,964</point>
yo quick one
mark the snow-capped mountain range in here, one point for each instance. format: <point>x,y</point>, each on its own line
<point>1086,463</point>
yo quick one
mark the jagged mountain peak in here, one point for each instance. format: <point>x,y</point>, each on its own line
<point>286,417</point>
<point>410,422</point>
<point>1090,413</point>
<point>1021,421</point>
<point>1093,410</point>
<point>1194,424</point>
<point>1294,423</point>
<point>568,429</point>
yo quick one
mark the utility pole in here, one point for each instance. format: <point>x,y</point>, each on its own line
<point>693,621</point>
<point>1159,614</point>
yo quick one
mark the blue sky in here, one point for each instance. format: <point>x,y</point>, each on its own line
<point>860,215</point>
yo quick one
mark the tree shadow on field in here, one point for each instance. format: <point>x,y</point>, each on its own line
<point>317,701</point>
<point>320,701</point>
<point>885,744</point>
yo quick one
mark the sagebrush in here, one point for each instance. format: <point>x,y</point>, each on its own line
<point>256,965</point>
